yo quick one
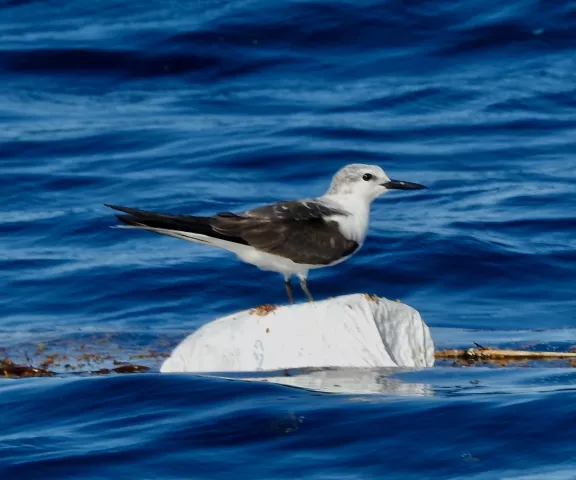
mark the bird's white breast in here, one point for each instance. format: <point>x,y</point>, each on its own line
<point>353,226</point>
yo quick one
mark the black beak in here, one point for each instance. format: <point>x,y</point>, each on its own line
<point>400,185</point>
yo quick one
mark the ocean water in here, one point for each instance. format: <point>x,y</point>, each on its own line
<point>210,105</point>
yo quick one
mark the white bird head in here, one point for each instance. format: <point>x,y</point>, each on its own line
<point>367,182</point>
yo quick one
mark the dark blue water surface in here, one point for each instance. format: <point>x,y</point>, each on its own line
<point>209,105</point>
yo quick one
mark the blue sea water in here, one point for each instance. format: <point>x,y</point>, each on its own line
<point>211,105</point>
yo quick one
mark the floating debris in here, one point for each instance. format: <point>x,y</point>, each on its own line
<point>122,369</point>
<point>263,310</point>
<point>12,370</point>
<point>62,357</point>
<point>503,358</point>
<point>372,298</point>
<point>151,354</point>
<point>9,369</point>
<point>491,353</point>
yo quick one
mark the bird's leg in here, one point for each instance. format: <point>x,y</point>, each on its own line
<point>304,286</point>
<point>289,289</point>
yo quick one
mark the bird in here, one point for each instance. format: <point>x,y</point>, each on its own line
<point>289,237</point>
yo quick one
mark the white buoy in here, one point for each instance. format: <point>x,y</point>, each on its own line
<point>355,331</point>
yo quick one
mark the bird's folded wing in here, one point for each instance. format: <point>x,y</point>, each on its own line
<point>296,210</point>
<point>300,231</point>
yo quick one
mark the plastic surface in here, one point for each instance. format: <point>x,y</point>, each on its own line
<point>355,331</point>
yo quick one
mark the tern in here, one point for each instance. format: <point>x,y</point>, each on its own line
<point>288,237</point>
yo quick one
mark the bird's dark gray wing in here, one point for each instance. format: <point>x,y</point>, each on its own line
<point>298,230</point>
<point>295,210</point>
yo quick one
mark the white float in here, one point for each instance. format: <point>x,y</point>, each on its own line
<point>352,331</point>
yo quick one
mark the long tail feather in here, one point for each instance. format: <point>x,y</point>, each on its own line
<point>186,227</point>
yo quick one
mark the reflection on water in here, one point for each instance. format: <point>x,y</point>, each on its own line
<point>347,381</point>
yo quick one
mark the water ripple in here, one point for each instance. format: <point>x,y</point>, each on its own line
<point>198,107</point>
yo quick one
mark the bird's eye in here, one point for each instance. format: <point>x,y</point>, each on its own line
<point>367,177</point>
